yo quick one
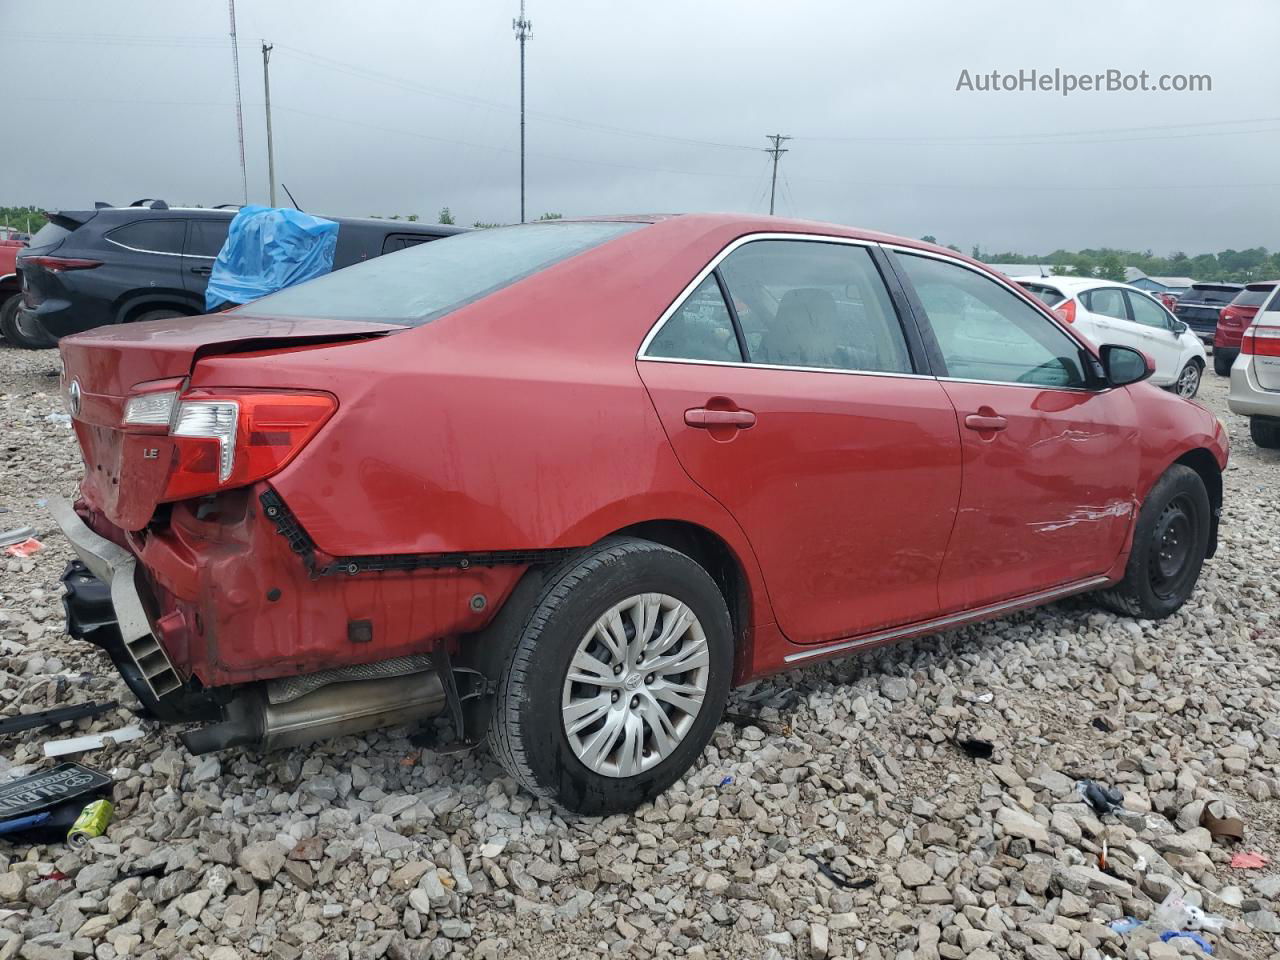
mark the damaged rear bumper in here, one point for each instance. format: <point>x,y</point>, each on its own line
<point>116,567</point>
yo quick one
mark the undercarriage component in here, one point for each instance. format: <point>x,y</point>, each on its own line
<point>333,710</point>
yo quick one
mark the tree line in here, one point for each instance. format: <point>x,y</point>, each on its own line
<point>1108,263</point>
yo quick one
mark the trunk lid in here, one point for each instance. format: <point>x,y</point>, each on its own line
<point>125,471</point>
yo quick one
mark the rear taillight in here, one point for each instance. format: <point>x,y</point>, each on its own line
<point>1066,311</point>
<point>61,264</point>
<point>1261,341</point>
<point>1227,317</point>
<point>227,438</point>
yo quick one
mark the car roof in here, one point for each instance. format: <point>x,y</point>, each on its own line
<point>227,212</point>
<point>1074,284</point>
<point>1211,285</point>
<point>1261,285</point>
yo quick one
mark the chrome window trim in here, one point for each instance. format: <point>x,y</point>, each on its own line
<point>156,253</point>
<point>941,623</point>
<point>777,366</point>
<point>716,261</point>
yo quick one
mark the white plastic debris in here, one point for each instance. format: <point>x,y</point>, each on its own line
<point>92,741</point>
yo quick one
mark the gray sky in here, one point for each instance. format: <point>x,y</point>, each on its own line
<point>405,106</point>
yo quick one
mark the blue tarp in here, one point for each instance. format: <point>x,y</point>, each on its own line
<point>268,249</point>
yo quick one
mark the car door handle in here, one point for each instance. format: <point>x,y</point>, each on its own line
<point>702,418</point>
<point>979,421</point>
<point>202,271</point>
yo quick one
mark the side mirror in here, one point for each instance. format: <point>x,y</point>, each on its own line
<point>1125,365</point>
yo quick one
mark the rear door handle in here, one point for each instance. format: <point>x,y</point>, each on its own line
<point>978,421</point>
<point>202,271</point>
<point>703,418</point>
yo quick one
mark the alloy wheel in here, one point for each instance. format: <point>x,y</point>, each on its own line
<point>1189,380</point>
<point>635,685</point>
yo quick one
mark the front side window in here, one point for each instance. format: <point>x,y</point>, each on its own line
<point>432,279</point>
<point>701,329</point>
<point>805,303</point>
<point>986,332</point>
<point>1146,312</point>
<point>1106,302</point>
<point>151,236</point>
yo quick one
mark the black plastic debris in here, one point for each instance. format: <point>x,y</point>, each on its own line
<point>976,748</point>
<point>838,877</point>
<point>49,718</point>
<point>1100,797</point>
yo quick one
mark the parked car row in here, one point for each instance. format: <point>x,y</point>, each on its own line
<point>149,261</point>
<point>1255,371</point>
<point>568,482</point>
<point>1108,312</point>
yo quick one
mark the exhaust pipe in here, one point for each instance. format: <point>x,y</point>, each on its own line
<point>333,710</point>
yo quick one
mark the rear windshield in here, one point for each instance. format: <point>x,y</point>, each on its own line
<point>1047,295</point>
<point>1210,295</point>
<point>1249,297</point>
<point>48,235</point>
<point>417,285</point>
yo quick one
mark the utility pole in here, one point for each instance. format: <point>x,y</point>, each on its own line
<point>776,150</point>
<point>522,28</point>
<point>235,63</point>
<point>266,86</point>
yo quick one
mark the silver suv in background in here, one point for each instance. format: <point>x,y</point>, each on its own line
<point>1255,375</point>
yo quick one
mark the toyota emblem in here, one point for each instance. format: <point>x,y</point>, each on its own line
<point>73,398</point>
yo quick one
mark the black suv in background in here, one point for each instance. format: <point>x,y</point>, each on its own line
<point>88,268</point>
<point>1199,307</point>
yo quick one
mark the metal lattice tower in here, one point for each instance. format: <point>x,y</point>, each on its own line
<point>523,28</point>
<point>235,63</point>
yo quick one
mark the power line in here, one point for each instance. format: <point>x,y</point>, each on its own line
<point>775,151</point>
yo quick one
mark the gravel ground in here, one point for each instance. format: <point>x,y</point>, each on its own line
<point>365,848</point>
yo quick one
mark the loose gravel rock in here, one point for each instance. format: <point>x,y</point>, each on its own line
<point>366,848</point>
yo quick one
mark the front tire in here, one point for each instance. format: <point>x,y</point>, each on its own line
<point>1169,544</point>
<point>1222,363</point>
<point>20,333</point>
<point>617,680</point>
<point>1188,383</point>
<point>1265,432</point>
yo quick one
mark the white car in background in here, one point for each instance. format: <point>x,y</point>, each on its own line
<point>1109,312</point>
<point>1255,375</point>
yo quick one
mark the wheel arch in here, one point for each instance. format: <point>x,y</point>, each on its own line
<point>710,551</point>
<point>131,306</point>
<point>1202,461</point>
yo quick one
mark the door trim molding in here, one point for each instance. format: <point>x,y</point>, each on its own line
<point>951,620</point>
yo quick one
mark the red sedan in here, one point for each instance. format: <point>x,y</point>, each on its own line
<point>568,482</point>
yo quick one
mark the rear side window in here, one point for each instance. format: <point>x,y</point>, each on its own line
<point>804,303</point>
<point>1146,312</point>
<point>1250,297</point>
<point>1049,296</point>
<point>433,279</point>
<point>151,236</point>
<point>987,333</point>
<point>206,237</point>
<point>700,330</point>
<point>403,241</point>
<point>1273,305</point>
<point>1106,302</point>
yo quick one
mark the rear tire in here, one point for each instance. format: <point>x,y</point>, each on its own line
<point>27,335</point>
<point>1265,432</point>
<point>1169,544</point>
<point>1222,364</point>
<point>599,748</point>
